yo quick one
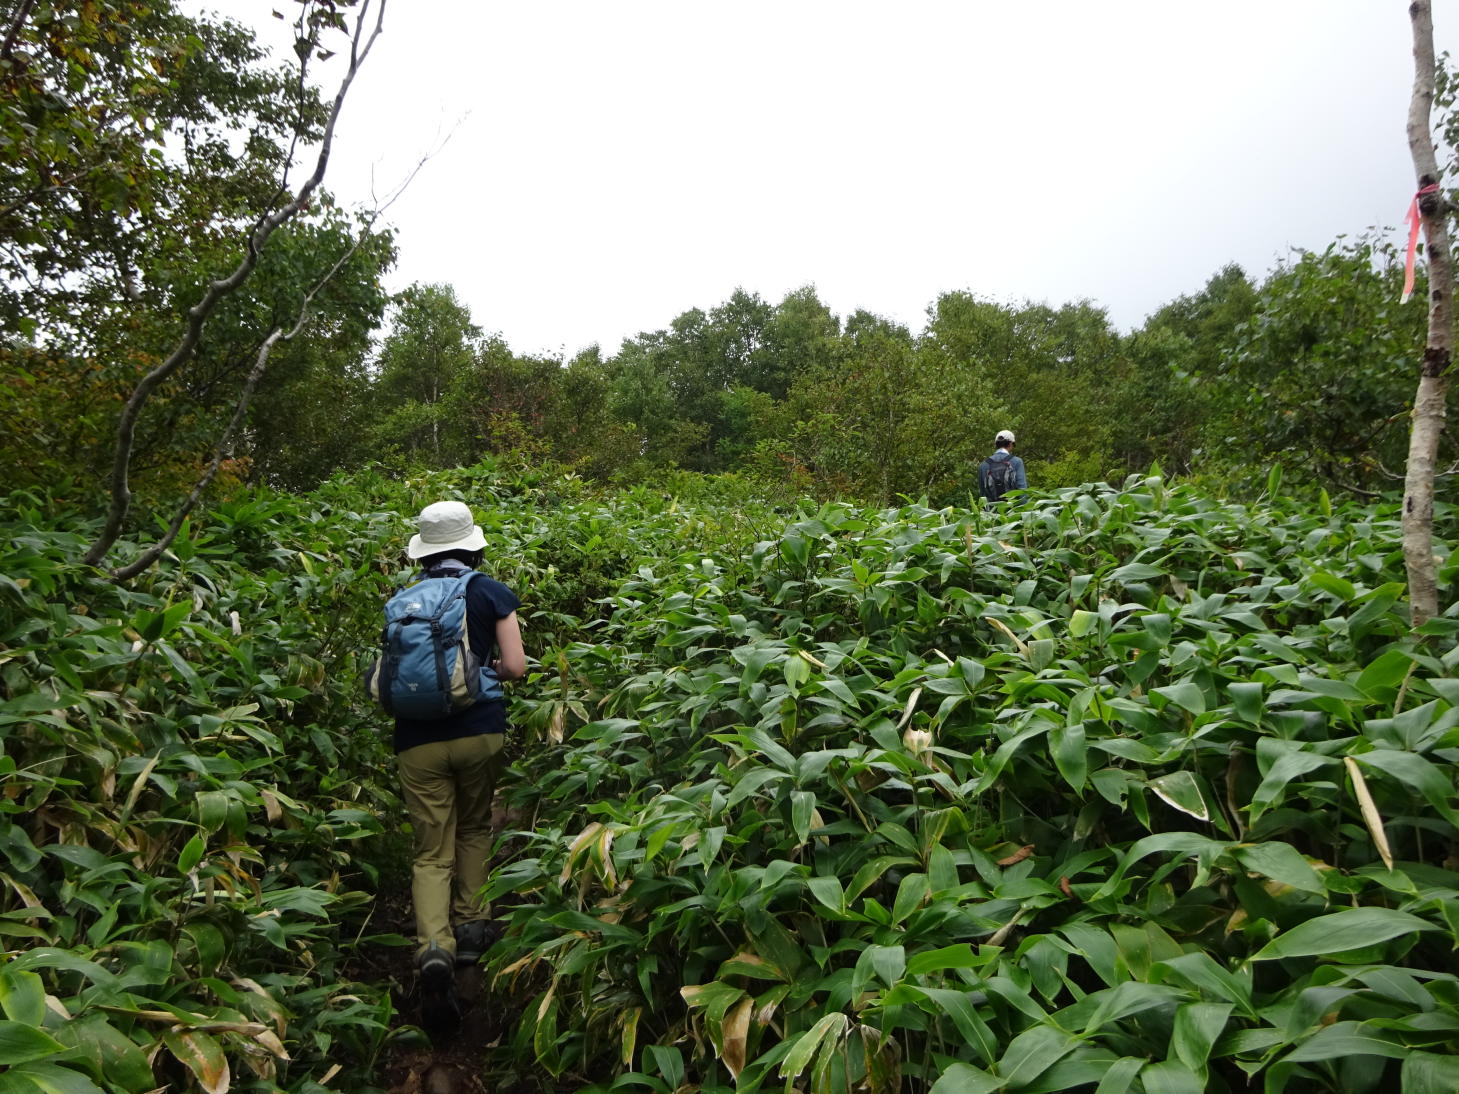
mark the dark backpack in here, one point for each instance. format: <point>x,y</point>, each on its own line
<point>999,478</point>
<point>426,668</point>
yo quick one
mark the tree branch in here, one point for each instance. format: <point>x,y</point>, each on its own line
<point>217,291</point>
<point>13,34</point>
<point>224,446</point>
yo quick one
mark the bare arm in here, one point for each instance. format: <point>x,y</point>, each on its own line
<point>511,662</point>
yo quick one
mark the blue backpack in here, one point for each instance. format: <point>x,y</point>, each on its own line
<point>426,668</point>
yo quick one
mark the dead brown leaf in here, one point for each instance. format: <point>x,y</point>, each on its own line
<point>1017,856</point>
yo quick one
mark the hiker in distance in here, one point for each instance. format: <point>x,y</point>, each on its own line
<point>1002,471</point>
<point>450,638</point>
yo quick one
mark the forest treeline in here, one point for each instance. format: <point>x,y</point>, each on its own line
<point>113,228</point>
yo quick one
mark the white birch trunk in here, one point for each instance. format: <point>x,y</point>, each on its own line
<point>1433,385</point>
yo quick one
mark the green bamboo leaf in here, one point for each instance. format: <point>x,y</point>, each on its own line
<point>802,808</point>
<point>1280,862</point>
<point>942,869</point>
<point>965,1079</point>
<point>1142,946</point>
<point>1041,653</point>
<point>754,659</point>
<point>1339,587</point>
<point>888,962</point>
<point>21,1042</point>
<point>1120,1077</point>
<point>1157,624</point>
<point>1197,1026</point>
<point>1095,945</point>
<point>805,1046</point>
<point>544,1028</point>
<point>1186,694</point>
<point>1180,790</point>
<point>212,809</point>
<point>749,964</point>
<point>776,871</point>
<point>669,1062</point>
<point>51,1078</point>
<point>957,956</point>
<point>1136,571</point>
<point>111,1053</point>
<point>827,889</point>
<point>1287,769</point>
<point>753,780</point>
<point>22,996</point>
<point>1245,1042</point>
<point>1246,700</point>
<point>1399,985</point>
<point>1033,1052</point>
<point>962,1008</point>
<point>1346,1039</point>
<point>1071,754</point>
<point>1200,971</point>
<point>1338,931</point>
<point>1171,1077</point>
<point>1417,773</point>
<point>1005,753</point>
<point>1307,683</point>
<point>716,997</point>
<point>1131,997</point>
<point>796,549</point>
<point>710,842</point>
<point>1384,674</point>
<point>191,854</point>
<point>1430,1073</point>
<point>913,890</point>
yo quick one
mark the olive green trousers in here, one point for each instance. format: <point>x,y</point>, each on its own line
<point>448,787</point>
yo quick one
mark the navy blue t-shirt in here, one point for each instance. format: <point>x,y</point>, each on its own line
<point>487,600</point>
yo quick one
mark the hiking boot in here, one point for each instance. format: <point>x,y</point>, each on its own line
<point>472,940</point>
<point>440,1010</point>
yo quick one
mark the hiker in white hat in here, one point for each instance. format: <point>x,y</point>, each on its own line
<point>1002,471</point>
<point>448,762</point>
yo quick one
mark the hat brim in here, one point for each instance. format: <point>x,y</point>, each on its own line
<point>419,548</point>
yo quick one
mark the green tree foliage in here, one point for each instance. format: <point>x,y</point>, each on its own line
<point>1161,410</point>
<point>121,122</point>
<point>1307,368</point>
<point>429,354</point>
<point>871,417</point>
<point>141,143</point>
<point>1320,377</point>
<point>581,426</point>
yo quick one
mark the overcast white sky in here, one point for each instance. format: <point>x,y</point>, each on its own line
<point>611,165</point>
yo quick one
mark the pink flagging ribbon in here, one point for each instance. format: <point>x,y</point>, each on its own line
<point>1414,221</point>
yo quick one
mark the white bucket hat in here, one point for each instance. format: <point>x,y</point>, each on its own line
<point>445,526</point>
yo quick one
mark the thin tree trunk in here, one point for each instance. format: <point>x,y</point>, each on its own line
<point>1433,385</point>
<point>224,447</point>
<point>198,314</point>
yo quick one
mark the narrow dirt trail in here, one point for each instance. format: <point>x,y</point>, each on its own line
<point>461,1062</point>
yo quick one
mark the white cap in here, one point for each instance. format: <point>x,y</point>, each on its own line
<point>445,526</point>
<point>1004,435</point>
